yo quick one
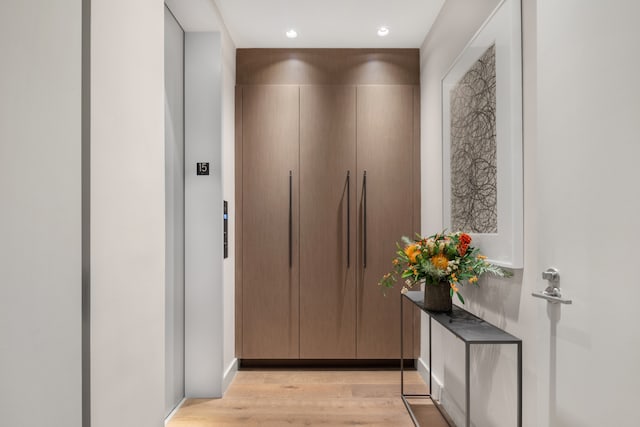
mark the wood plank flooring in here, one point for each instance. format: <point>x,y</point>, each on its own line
<point>310,398</point>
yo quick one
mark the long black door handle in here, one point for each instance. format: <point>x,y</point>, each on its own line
<point>348,219</point>
<point>364,220</point>
<point>290,219</point>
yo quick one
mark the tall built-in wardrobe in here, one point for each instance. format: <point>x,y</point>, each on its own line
<point>327,181</point>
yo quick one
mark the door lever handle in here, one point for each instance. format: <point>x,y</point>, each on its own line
<point>552,299</point>
<point>551,274</point>
<point>552,293</point>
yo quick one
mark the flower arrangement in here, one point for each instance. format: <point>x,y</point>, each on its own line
<point>438,258</point>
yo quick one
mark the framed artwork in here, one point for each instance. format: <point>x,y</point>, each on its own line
<point>482,139</point>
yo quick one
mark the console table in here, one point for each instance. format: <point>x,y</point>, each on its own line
<point>471,330</point>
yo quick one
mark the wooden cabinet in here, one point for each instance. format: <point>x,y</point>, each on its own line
<point>270,199</point>
<point>385,212</point>
<point>327,222</point>
<point>303,290</point>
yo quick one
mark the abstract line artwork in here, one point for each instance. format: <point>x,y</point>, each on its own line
<point>482,180</point>
<point>474,192</point>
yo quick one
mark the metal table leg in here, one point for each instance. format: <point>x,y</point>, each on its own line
<point>519,384</point>
<point>467,385</point>
<point>430,364</point>
<point>401,347</point>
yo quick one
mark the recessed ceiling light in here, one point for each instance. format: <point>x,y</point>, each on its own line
<point>292,34</point>
<point>383,31</point>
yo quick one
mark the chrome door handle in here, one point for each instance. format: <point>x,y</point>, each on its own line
<point>552,293</point>
<point>551,274</point>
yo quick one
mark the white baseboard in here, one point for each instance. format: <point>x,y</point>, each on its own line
<point>440,394</point>
<point>453,408</point>
<point>166,420</point>
<point>229,374</point>
<point>424,370</point>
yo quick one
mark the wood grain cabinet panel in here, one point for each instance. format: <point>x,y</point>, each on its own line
<point>302,288</point>
<point>327,222</point>
<point>385,212</point>
<point>270,277</point>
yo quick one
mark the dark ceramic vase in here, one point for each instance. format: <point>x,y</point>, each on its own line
<point>437,296</point>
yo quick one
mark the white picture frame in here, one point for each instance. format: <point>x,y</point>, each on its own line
<point>504,244</point>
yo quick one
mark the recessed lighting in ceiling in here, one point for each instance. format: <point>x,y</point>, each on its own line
<point>292,34</point>
<point>383,31</point>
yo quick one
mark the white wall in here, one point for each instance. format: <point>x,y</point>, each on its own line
<point>455,26</point>
<point>203,16</point>
<point>504,302</point>
<point>174,170</point>
<point>203,216</point>
<point>229,194</point>
<point>40,213</point>
<point>128,219</point>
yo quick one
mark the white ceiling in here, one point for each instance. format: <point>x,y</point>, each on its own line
<point>328,23</point>
<point>196,15</point>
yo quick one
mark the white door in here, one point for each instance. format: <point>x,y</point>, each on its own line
<point>588,211</point>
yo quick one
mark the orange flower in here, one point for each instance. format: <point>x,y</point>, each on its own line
<point>454,287</point>
<point>440,261</point>
<point>412,252</point>
<point>395,261</point>
<point>473,279</point>
<point>481,257</point>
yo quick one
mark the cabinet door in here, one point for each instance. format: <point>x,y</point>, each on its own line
<point>385,213</point>
<point>327,231</point>
<point>270,177</point>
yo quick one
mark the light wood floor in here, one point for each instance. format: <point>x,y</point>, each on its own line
<point>310,398</point>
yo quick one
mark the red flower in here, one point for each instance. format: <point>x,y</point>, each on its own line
<point>465,240</point>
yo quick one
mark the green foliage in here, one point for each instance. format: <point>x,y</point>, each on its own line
<point>437,258</point>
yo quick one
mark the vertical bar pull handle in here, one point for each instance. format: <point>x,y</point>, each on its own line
<point>290,219</point>
<point>364,220</point>
<point>348,219</point>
